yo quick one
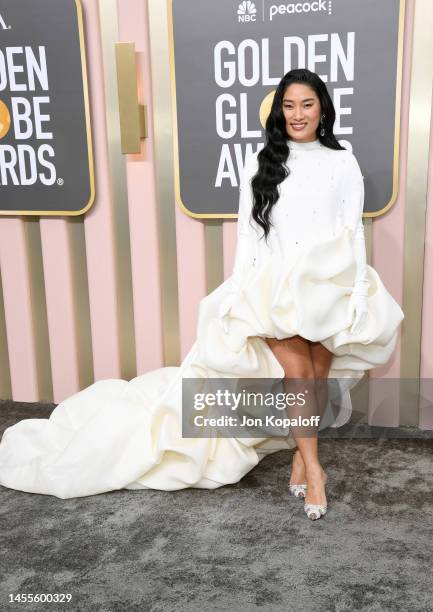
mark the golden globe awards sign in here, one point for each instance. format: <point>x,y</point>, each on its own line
<point>227,58</point>
<point>46,161</point>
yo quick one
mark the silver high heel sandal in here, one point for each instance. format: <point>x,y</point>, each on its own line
<point>315,511</point>
<point>298,490</point>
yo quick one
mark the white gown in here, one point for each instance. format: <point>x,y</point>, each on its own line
<point>118,434</point>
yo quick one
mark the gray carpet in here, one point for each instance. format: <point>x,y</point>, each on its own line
<point>242,547</point>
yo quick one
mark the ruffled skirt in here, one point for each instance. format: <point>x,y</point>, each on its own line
<point>128,434</point>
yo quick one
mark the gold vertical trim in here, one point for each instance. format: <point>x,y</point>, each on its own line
<point>416,206</point>
<point>109,35</point>
<point>214,251</point>
<point>5,374</point>
<point>80,283</point>
<point>164,175</point>
<point>38,307</point>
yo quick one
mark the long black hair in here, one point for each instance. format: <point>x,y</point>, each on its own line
<point>274,155</point>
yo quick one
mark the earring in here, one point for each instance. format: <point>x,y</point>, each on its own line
<point>322,131</point>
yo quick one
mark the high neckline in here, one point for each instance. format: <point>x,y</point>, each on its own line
<point>301,146</point>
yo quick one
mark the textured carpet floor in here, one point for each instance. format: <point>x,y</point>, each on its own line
<point>242,547</point>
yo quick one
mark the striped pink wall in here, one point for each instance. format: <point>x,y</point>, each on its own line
<point>18,314</point>
<point>61,267</point>
<point>426,416</point>
<point>388,250</point>
<point>143,227</point>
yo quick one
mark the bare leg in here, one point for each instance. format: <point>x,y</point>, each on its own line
<point>321,359</point>
<point>295,356</point>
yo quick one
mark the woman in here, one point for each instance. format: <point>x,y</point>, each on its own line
<point>303,199</point>
<point>301,306</point>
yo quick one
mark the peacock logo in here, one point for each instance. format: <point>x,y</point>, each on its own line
<point>247,11</point>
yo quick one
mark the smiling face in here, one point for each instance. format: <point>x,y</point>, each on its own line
<point>301,106</point>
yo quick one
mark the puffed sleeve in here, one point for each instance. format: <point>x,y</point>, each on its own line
<point>245,245</point>
<point>352,202</point>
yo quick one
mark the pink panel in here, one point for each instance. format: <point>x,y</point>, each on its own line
<point>142,207</point>
<point>191,270</point>
<point>98,221</point>
<point>388,252</point>
<point>145,266</point>
<point>18,310</point>
<point>133,26</point>
<point>56,256</point>
<point>426,412</point>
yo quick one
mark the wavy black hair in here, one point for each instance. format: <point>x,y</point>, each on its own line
<point>274,155</point>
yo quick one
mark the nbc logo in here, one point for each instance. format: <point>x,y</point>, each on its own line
<point>247,11</point>
<point>3,25</point>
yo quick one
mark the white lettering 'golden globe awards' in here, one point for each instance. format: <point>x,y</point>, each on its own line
<point>240,67</point>
<point>25,69</point>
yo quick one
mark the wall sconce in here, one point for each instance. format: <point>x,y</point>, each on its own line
<point>133,116</point>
